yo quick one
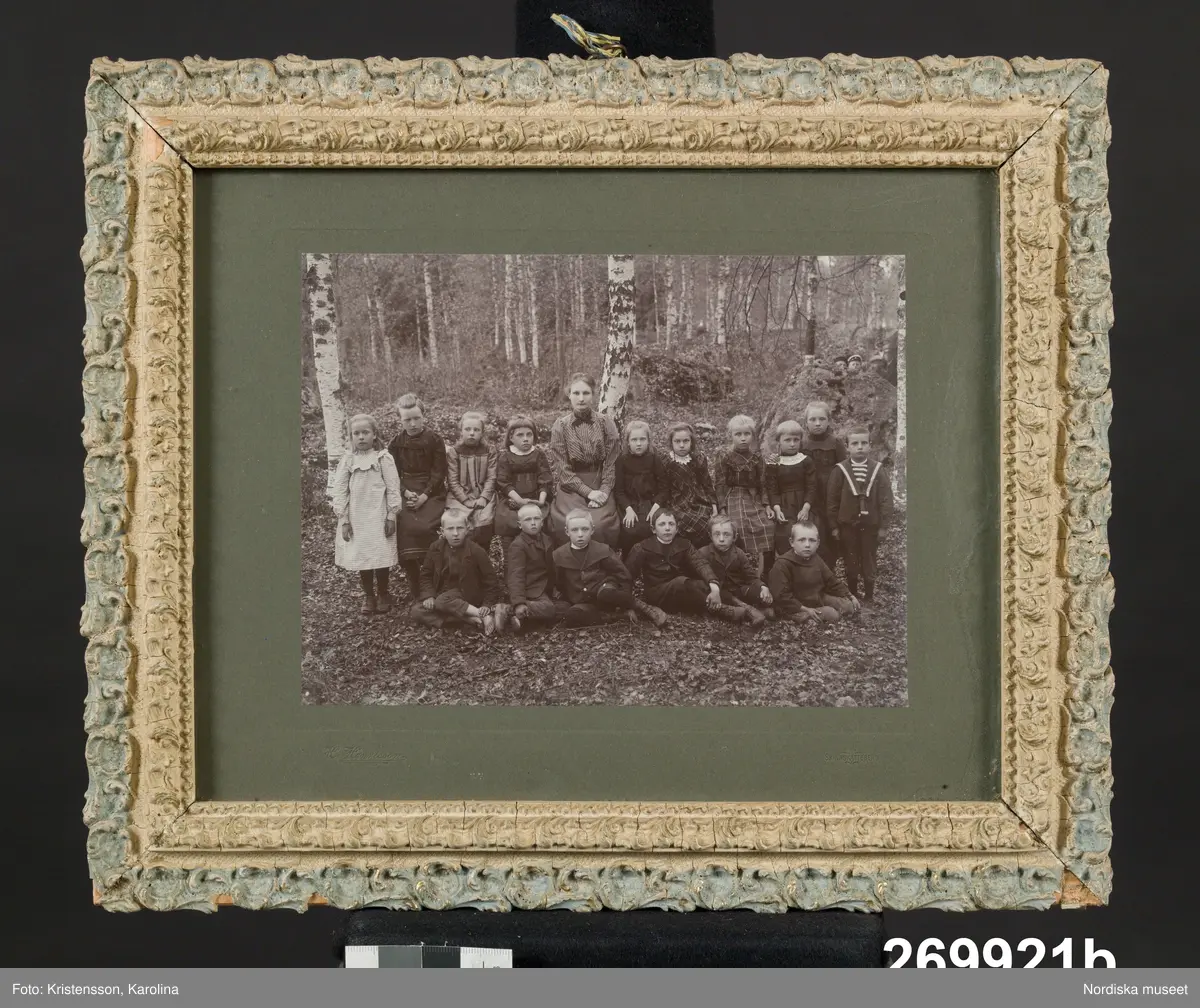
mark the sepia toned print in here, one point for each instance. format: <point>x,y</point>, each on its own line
<point>536,479</point>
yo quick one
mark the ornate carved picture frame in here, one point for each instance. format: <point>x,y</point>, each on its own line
<point>1041,124</point>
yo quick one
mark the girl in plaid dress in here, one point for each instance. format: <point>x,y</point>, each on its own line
<point>741,484</point>
<point>689,490</point>
<point>471,477</point>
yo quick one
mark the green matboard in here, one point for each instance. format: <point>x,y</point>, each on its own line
<point>256,740</point>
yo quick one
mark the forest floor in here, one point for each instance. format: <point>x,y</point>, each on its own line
<point>350,658</point>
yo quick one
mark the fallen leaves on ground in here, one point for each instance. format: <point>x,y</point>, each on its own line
<point>351,658</point>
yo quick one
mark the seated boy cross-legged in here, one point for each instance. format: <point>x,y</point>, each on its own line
<point>590,576</point>
<point>736,573</point>
<point>674,576</point>
<point>458,582</point>
<point>802,585</point>
<point>529,571</point>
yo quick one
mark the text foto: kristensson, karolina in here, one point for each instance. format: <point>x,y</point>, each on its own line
<point>1125,990</point>
<point>96,990</point>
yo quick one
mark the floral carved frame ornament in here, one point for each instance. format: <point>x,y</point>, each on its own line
<point>1041,123</point>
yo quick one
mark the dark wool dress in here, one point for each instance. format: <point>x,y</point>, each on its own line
<point>640,485</point>
<point>528,475</point>
<point>742,494</point>
<point>825,452</point>
<point>790,487</point>
<point>690,494</point>
<point>421,465</point>
<point>585,449</point>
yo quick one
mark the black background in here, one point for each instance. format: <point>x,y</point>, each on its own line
<point>46,893</point>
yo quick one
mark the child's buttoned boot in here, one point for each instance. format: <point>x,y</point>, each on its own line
<point>651,612</point>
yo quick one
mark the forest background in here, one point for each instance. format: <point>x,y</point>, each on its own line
<point>691,338</point>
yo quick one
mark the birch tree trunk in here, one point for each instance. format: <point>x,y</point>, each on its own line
<point>827,311</point>
<point>531,291</point>
<point>417,301</point>
<point>374,326</point>
<point>808,305</point>
<point>619,349</point>
<point>900,460</point>
<point>577,323</point>
<point>672,319</point>
<point>685,296</point>
<point>326,361</point>
<point>520,300</point>
<point>793,297</point>
<point>443,297</point>
<point>430,328</point>
<point>709,299</point>
<point>722,299</point>
<point>559,357</point>
<point>509,296</point>
<point>876,276</point>
<point>654,294</point>
<point>497,301</point>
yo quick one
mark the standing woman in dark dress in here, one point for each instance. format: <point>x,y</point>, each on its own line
<point>420,456</point>
<point>689,487</point>
<point>584,445</point>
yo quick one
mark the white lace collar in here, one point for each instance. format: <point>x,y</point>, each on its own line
<point>681,459</point>
<point>532,449</point>
<point>365,460</point>
<point>792,459</point>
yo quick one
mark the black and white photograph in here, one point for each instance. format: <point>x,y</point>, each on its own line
<point>649,480</point>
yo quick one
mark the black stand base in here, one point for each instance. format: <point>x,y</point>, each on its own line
<point>641,938</point>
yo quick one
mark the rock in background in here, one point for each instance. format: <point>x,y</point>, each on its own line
<point>858,397</point>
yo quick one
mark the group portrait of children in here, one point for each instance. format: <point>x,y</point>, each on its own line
<point>600,525</point>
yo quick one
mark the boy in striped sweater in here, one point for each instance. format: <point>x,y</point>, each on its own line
<point>858,502</point>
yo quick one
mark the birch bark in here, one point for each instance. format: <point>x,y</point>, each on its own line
<point>326,361</point>
<point>722,300</point>
<point>497,302</point>
<point>531,293</point>
<point>619,348</point>
<point>900,462</point>
<point>430,328</point>
<point>509,320</point>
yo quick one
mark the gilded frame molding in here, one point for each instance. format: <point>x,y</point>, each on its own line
<point>1042,124</point>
